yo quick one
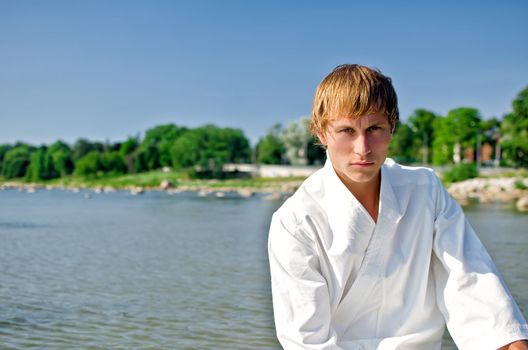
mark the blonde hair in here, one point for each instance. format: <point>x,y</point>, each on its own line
<point>354,91</point>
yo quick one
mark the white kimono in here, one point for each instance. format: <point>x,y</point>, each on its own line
<point>342,281</point>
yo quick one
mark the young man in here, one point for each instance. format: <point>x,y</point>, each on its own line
<point>369,254</point>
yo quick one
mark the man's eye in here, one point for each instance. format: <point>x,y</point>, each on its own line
<point>347,130</point>
<point>374,128</point>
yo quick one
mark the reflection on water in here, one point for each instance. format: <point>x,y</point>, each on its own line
<point>161,271</point>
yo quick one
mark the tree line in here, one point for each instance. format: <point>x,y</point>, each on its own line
<point>204,150</point>
<point>463,136</point>
<point>425,138</point>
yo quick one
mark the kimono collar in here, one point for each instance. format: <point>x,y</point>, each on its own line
<point>346,212</point>
<point>389,206</point>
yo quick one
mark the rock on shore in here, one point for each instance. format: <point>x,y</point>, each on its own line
<point>487,190</point>
<point>522,204</point>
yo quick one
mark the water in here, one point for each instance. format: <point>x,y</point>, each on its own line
<point>162,272</point>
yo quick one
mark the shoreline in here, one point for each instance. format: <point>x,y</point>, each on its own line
<point>481,190</point>
<point>277,190</point>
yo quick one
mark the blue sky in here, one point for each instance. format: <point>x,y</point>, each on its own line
<point>109,69</point>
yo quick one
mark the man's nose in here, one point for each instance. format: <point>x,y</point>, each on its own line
<point>361,145</point>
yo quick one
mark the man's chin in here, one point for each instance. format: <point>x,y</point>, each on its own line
<point>363,175</point>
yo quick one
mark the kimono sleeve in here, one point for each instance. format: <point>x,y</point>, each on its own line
<point>478,307</point>
<point>301,303</point>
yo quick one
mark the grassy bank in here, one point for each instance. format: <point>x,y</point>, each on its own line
<point>182,181</point>
<point>153,180</point>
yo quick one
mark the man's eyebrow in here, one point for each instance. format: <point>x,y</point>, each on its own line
<point>342,121</point>
<point>378,122</point>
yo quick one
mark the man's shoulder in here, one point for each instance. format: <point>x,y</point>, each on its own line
<point>404,175</point>
<point>306,200</point>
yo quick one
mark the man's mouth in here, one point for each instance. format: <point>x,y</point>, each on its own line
<point>362,164</point>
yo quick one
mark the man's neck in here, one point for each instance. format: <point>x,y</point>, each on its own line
<point>367,194</point>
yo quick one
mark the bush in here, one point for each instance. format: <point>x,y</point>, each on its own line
<point>460,172</point>
<point>519,184</point>
<point>113,163</point>
<point>41,166</point>
<point>89,165</point>
<point>16,162</point>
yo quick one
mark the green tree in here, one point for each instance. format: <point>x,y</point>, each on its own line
<point>129,146</point>
<point>127,151</point>
<point>16,161</point>
<point>215,151</point>
<point>421,122</point>
<point>514,129</point>
<point>270,149</point>
<point>111,147</point>
<point>186,149</point>
<point>82,147</point>
<point>3,150</point>
<point>89,165</point>
<point>161,138</point>
<point>112,163</point>
<point>404,144</point>
<point>146,158</point>
<point>490,130</point>
<point>443,141</point>
<point>41,166</point>
<point>236,143</point>
<point>210,147</point>
<point>466,123</point>
<point>455,132</point>
<point>62,158</point>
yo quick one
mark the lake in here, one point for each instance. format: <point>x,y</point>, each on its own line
<point>159,271</point>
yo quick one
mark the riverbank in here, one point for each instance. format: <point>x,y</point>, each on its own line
<point>168,182</point>
<point>511,188</point>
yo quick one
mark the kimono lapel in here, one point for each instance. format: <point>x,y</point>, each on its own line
<point>347,217</point>
<point>350,224</point>
<point>388,218</point>
<point>390,212</point>
<point>363,298</point>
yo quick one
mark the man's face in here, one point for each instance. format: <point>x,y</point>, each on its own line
<point>357,147</point>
